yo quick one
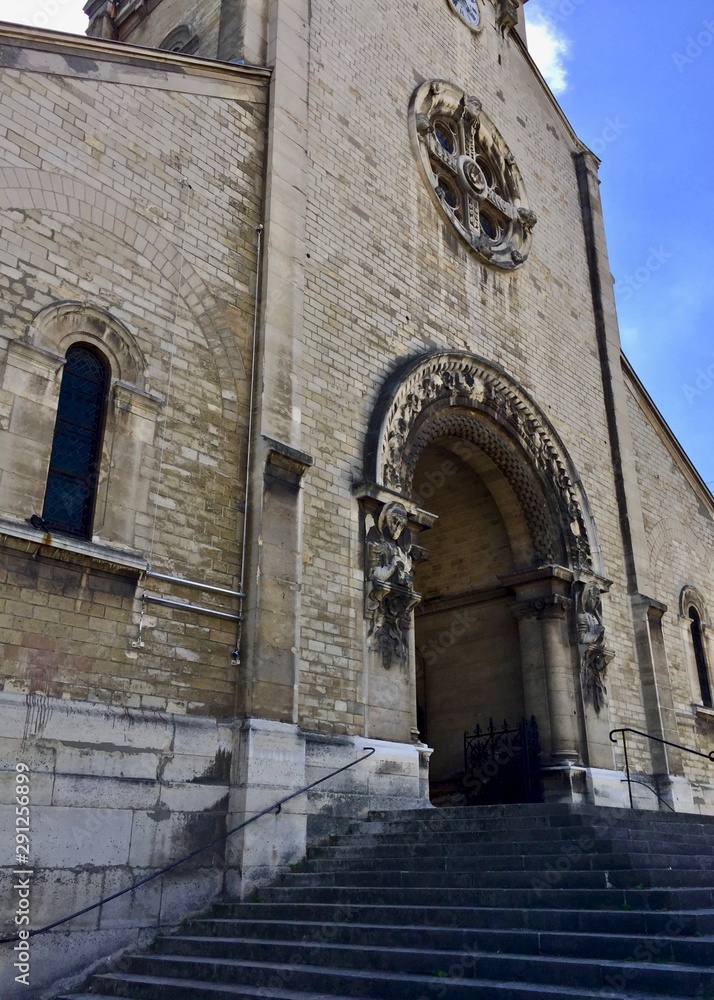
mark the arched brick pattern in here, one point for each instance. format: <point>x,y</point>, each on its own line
<point>62,195</point>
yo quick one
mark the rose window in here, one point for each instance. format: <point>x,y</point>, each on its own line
<point>472,174</point>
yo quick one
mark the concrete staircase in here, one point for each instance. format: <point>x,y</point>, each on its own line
<point>504,902</point>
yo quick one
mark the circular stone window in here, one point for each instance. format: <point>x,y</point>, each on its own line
<point>471,173</point>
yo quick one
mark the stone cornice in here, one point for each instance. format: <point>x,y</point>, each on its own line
<point>132,57</point>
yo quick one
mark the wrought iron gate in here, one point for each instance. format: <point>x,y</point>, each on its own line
<point>503,765</point>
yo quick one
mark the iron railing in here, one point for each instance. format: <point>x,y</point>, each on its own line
<point>275,807</point>
<point>678,746</point>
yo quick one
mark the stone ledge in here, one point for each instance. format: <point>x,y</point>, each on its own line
<point>60,546</point>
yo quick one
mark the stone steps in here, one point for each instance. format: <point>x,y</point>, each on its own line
<point>601,878</point>
<point>513,903</point>
<point>597,899</point>
<point>480,846</point>
<point>514,862</point>
<point>456,974</point>
<point>249,937</point>
<point>397,988</point>
<point>477,833</point>
<point>627,922</point>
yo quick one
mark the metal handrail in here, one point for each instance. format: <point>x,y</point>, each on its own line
<point>638,732</point>
<point>276,807</point>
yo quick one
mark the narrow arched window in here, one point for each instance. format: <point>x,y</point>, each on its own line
<point>77,444</point>
<point>700,657</point>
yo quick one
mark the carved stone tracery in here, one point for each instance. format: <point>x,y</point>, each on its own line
<point>471,171</point>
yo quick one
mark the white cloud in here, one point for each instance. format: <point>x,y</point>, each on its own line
<point>56,15</point>
<point>549,48</point>
<point>629,337</point>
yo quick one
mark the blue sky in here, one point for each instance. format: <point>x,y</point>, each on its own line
<point>637,82</point>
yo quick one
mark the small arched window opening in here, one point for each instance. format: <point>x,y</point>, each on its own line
<point>77,443</point>
<point>181,39</point>
<point>700,657</point>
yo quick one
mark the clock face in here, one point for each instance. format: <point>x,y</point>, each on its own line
<point>468,11</point>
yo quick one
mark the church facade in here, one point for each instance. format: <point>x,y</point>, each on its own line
<point>317,437</point>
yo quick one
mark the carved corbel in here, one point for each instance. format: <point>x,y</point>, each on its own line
<point>507,15</point>
<point>392,524</point>
<point>552,606</point>
<point>285,465</point>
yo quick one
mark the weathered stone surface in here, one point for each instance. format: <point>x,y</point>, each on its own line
<point>397,365</point>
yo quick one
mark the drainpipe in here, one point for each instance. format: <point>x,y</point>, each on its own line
<point>249,446</point>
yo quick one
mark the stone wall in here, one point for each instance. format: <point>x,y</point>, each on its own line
<point>116,794</point>
<point>130,193</point>
<point>679,520</point>
<point>387,278</point>
<point>125,226</point>
<point>149,24</point>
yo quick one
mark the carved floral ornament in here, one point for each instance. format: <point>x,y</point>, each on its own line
<point>455,381</point>
<point>472,173</point>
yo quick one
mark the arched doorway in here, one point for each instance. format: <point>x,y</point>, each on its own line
<point>494,586</point>
<point>468,651</point>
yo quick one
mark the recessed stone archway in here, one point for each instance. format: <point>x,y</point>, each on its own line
<point>466,638</point>
<point>461,448</point>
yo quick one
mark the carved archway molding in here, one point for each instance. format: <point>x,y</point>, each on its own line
<point>61,324</point>
<point>458,396</point>
<point>461,394</point>
<point>691,597</point>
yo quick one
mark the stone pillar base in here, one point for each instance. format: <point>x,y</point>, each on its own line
<point>565,783</point>
<point>609,788</point>
<point>274,759</point>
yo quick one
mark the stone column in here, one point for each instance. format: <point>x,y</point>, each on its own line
<point>271,660</point>
<point>654,672</point>
<point>533,666</point>
<point>544,613</point>
<point>562,700</point>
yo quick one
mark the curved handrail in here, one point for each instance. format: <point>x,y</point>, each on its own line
<point>275,807</point>
<point>657,739</point>
<point>638,781</point>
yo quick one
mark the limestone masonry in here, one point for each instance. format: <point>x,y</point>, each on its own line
<point>316,436</point>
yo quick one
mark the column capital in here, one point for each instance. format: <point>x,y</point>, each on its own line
<point>542,608</point>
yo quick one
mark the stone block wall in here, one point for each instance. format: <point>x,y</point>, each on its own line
<point>387,278</point>
<point>133,215</point>
<point>148,24</point>
<point>679,521</point>
<point>115,795</point>
<point>130,193</point>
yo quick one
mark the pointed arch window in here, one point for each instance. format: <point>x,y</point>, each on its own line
<point>77,443</point>
<point>700,657</point>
